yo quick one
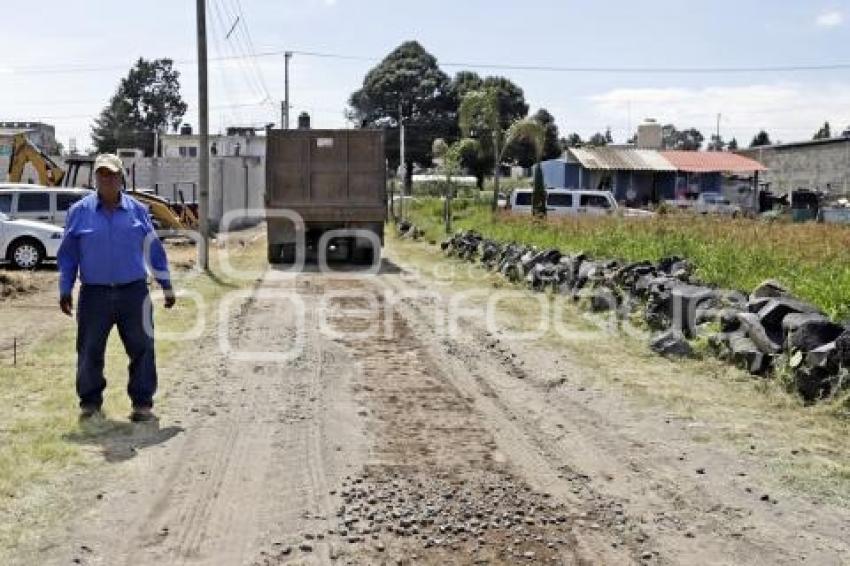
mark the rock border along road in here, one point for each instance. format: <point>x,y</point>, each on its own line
<point>408,446</point>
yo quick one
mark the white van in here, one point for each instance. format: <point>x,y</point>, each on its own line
<point>565,202</point>
<point>33,202</point>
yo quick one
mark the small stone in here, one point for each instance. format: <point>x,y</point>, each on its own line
<point>305,547</point>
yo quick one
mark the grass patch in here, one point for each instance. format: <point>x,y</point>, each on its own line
<point>813,260</point>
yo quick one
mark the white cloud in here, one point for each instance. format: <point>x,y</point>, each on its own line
<point>830,19</point>
<point>788,111</point>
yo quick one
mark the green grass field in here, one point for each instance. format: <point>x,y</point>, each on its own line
<point>813,260</point>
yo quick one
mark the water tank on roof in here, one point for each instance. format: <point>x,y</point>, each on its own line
<point>649,135</point>
<point>186,130</point>
<point>303,121</point>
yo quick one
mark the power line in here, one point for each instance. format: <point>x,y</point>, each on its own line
<point>838,66</point>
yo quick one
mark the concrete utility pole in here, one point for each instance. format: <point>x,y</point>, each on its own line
<point>496,160</point>
<point>718,132</point>
<point>402,163</point>
<point>204,150</point>
<point>285,118</point>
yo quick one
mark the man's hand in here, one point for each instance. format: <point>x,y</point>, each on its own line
<point>66,303</point>
<point>170,298</point>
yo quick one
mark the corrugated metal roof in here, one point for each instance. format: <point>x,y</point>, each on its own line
<point>711,161</point>
<point>621,159</point>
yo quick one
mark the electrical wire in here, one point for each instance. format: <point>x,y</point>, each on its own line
<point>838,66</point>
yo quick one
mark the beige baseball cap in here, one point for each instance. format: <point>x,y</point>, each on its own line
<point>109,161</point>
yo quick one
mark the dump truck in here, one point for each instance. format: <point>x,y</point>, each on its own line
<point>325,188</point>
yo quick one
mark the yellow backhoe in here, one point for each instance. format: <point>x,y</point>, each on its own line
<point>23,152</point>
<point>164,214</point>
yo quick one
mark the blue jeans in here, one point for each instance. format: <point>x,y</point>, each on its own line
<point>100,307</point>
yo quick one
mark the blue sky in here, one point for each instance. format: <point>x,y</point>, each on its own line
<point>94,42</point>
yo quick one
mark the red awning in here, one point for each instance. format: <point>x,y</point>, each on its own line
<point>712,161</point>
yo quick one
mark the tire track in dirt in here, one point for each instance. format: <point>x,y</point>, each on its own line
<point>428,436</point>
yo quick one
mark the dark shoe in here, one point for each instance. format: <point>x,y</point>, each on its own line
<point>87,412</point>
<point>143,415</point>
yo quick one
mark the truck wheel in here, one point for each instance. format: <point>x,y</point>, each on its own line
<point>26,253</point>
<point>363,256</point>
<point>287,254</point>
<point>275,253</point>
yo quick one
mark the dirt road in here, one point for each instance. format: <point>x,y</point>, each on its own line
<point>382,437</point>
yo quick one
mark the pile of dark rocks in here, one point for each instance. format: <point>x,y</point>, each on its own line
<point>767,331</point>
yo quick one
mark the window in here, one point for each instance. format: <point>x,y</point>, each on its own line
<point>595,201</point>
<point>188,151</point>
<point>6,203</point>
<point>33,202</point>
<point>523,199</point>
<point>559,199</point>
<point>64,201</point>
<point>193,152</point>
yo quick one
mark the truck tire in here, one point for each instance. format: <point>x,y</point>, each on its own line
<point>275,253</point>
<point>363,256</point>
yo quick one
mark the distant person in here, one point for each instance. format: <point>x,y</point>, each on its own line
<point>104,242</point>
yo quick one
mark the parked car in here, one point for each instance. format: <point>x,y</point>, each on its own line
<point>565,202</point>
<point>708,203</point>
<point>27,243</point>
<point>20,201</point>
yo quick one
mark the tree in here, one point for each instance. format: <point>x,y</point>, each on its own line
<point>572,140</point>
<point>465,82</point>
<point>147,100</point>
<point>688,140</point>
<point>407,85</point>
<point>823,133</point>
<point>608,137</point>
<point>597,139</point>
<point>479,116</point>
<point>538,196</point>
<point>523,152</point>
<point>733,145</point>
<point>761,138</point>
<point>510,99</point>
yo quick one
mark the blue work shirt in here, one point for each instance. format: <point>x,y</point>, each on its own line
<point>108,247</point>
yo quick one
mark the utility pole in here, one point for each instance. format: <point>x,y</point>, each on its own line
<point>204,150</point>
<point>496,159</point>
<point>402,163</point>
<point>285,118</point>
<point>718,133</point>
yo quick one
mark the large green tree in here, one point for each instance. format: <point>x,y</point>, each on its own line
<point>465,82</point>
<point>407,85</point>
<point>147,100</point>
<point>510,99</point>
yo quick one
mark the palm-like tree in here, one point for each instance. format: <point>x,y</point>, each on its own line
<point>479,113</point>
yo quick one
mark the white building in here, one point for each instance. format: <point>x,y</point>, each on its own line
<point>239,142</point>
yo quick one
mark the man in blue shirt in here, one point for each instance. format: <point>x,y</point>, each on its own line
<point>107,236</point>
